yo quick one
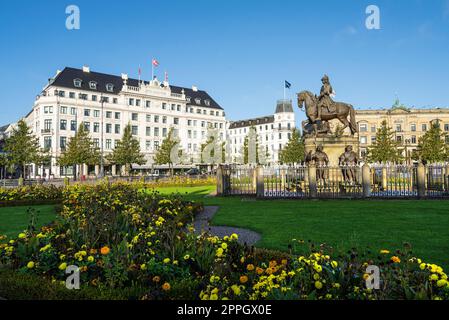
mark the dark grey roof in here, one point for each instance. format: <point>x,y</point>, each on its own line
<point>284,106</point>
<point>3,128</point>
<point>251,122</point>
<point>65,79</point>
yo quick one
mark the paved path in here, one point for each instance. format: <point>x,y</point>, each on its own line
<point>201,224</point>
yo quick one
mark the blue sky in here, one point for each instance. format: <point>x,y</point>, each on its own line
<point>240,51</point>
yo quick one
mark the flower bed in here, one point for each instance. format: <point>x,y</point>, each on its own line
<point>121,237</point>
<point>29,194</point>
<point>183,182</point>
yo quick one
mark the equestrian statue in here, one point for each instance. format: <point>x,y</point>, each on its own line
<point>320,110</point>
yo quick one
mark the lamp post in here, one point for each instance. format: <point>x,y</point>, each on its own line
<point>101,175</point>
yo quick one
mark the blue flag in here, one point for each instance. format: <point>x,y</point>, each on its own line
<point>287,84</point>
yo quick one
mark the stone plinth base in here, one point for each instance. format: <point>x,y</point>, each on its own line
<point>334,147</point>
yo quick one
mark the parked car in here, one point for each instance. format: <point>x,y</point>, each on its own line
<point>193,172</point>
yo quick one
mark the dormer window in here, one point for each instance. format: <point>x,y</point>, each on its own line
<point>110,87</point>
<point>198,101</point>
<point>207,102</point>
<point>93,85</point>
<point>188,99</point>
<point>77,83</point>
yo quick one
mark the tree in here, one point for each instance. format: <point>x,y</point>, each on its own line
<point>385,148</point>
<point>42,159</point>
<point>22,146</point>
<point>164,153</point>
<point>80,150</point>
<point>293,152</point>
<point>432,146</point>
<point>127,151</point>
<point>211,136</point>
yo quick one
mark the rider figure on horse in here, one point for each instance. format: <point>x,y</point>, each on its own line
<point>325,100</point>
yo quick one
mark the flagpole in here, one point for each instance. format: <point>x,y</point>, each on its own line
<point>152,69</point>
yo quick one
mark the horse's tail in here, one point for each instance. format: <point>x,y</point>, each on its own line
<point>353,121</point>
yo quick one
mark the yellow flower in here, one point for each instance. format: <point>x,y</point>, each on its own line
<point>234,236</point>
<point>250,267</point>
<point>143,267</point>
<point>422,266</point>
<point>366,276</point>
<point>334,264</point>
<point>166,260</point>
<point>22,236</point>
<point>219,252</point>
<point>384,251</point>
<point>213,297</point>
<point>235,289</point>
<point>63,266</point>
<point>318,285</point>
<point>318,268</point>
<point>186,257</point>
<point>90,259</point>
<point>166,286</point>
<point>316,276</point>
<point>30,265</point>
<point>336,285</point>
<point>224,245</point>
<point>434,277</point>
<point>441,283</point>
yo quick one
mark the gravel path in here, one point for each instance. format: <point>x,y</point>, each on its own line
<point>201,224</point>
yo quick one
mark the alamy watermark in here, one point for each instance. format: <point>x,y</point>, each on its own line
<point>372,22</point>
<point>73,20</point>
<point>73,280</point>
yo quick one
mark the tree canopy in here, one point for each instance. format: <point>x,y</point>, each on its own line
<point>432,146</point>
<point>385,148</point>
<point>293,152</point>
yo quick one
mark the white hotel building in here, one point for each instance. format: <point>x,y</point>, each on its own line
<point>80,96</point>
<point>104,104</point>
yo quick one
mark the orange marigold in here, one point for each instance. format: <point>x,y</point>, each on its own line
<point>105,250</point>
<point>156,279</point>
<point>259,270</point>
<point>166,286</point>
<point>243,279</point>
<point>395,259</point>
<point>250,267</point>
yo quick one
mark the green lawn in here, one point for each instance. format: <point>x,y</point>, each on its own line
<point>14,220</point>
<point>342,224</point>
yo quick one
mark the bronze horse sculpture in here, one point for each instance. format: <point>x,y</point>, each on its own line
<point>343,110</point>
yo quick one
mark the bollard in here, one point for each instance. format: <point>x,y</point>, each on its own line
<point>66,182</point>
<point>220,180</point>
<point>20,182</point>
<point>384,178</point>
<point>366,180</point>
<point>421,177</point>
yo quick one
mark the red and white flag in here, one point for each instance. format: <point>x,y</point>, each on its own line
<point>155,63</point>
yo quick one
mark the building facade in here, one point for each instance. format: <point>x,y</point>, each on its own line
<point>104,104</point>
<point>273,132</point>
<point>408,124</point>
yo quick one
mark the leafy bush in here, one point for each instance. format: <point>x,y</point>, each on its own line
<point>31,193</point>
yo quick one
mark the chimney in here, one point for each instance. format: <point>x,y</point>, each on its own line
<point>124,76</point>
<point>195,88</point>
<point>86,69</point>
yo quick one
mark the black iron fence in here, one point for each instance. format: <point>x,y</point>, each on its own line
<point>332,182</point>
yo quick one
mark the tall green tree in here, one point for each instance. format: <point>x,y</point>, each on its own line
<point>22,146</point>
<point>127,151</point>
<point>80,150</point>
<point>385,148</point>
<point>261,155</point>
<point>432,146</point>
<point>293,152</point>
<point>164,154</point>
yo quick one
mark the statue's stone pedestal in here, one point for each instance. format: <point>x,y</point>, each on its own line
<point>334,147</point>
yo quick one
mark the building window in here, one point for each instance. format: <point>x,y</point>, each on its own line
<point>446,127</point>
<point>96,127</point>
<point>73,125</point>
<point>137,102</point>
<point>72,95</point>
<point>148,131</point>
<point>87,126</point>
<point>63,110</point>
<point>134,130</point>
<point>108,114</point>
<point>148,145</point>
<point>148,103</point>
<point>178,107</point>
<point>164,119</point>
<point>156,145</point>
<point>108,144</point>
<point>63,143</point>
<point>47,143</point>
<point>175,120</point>
<point>87,112</point>
<point>48,110</point>
<point>399,138</point>
<point>77,83</point>
<point>117,129</point>
<point>47,125</point>
<point>96,143</point>
<point>280,135</point>
<point>117,115</point>
<point>110,87</point>
<point>363,140</point>
<point>82,96</point>
<point>164,132</point>
<point>134,116</point>
<point>108,128</point>
<point>173,106</point>
<point>414,139</point>
<point>148,117</point>
<point>131,102</point>
<point>373,129</point>
<point>198,101</point>
<point>164,105</point>
<point>156,133</point>
<point>63,125</point>
<point>398,128</point>
<point>93,85</point>
<point>96,113</point>
<point>73,111</point>
<point>424,127</point>
<point>413,127</point>
<point>156,119</point>
<point>363,127</point>
<point>207,102</point>
<point>94,98</point>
